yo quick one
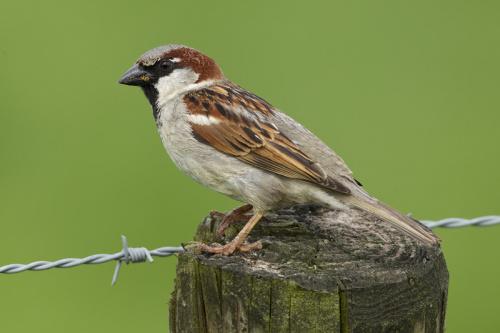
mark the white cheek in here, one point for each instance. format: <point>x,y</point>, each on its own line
<point>177,82</point>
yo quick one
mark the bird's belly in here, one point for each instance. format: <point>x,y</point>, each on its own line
<point>223,173</point>
<point>218,180</point>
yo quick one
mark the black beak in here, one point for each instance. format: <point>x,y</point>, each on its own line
<point>135,76</point>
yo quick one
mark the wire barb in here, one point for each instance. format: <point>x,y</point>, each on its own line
<point>130,255</point>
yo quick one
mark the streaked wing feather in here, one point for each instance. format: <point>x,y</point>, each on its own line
<point>239,128</point>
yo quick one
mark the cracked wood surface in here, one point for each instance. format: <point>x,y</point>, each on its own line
<point>319,271</point>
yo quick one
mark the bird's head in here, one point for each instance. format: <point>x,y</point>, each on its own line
<point>166,71</point>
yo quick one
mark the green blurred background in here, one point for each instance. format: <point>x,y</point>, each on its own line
<point>406,92</point>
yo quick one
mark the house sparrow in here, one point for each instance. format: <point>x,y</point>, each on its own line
<point>238,144</point>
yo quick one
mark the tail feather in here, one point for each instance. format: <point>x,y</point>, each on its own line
<point>402,222</point>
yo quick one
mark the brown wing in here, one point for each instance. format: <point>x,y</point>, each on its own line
<point>233,121</point>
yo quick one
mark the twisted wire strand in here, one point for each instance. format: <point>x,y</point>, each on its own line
<point>456,222</point>
<point>127,255</point>
<point>141,254</point>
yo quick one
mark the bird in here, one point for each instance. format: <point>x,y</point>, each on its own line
<point>238,144</point>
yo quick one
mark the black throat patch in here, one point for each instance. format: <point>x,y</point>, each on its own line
<point>152,96</point>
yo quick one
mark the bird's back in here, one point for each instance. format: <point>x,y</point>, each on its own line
<point>315,148</point>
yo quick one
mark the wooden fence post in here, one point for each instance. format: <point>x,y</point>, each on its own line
<point>319,271</point>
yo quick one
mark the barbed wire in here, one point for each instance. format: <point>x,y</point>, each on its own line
<point>141,254</point>
<point>126,255</point>
<point>456,222</point>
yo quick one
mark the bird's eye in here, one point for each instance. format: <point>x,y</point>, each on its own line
<point>166,63</point>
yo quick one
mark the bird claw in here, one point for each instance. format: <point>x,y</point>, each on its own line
<point>229,248</point>
<point>249,247</point>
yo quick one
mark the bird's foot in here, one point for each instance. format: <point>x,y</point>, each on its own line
<point>234,216</point>
<point>230,248</point>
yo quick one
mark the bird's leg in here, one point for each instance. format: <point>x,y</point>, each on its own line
<point>238,243</point>
<point>236,215</point>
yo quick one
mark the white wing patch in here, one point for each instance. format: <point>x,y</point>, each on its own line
<point>203,120</point>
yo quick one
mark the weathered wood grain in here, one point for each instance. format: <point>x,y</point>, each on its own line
<point>319,271</point>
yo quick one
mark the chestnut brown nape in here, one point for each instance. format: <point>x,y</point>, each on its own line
<point>198,62</point>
